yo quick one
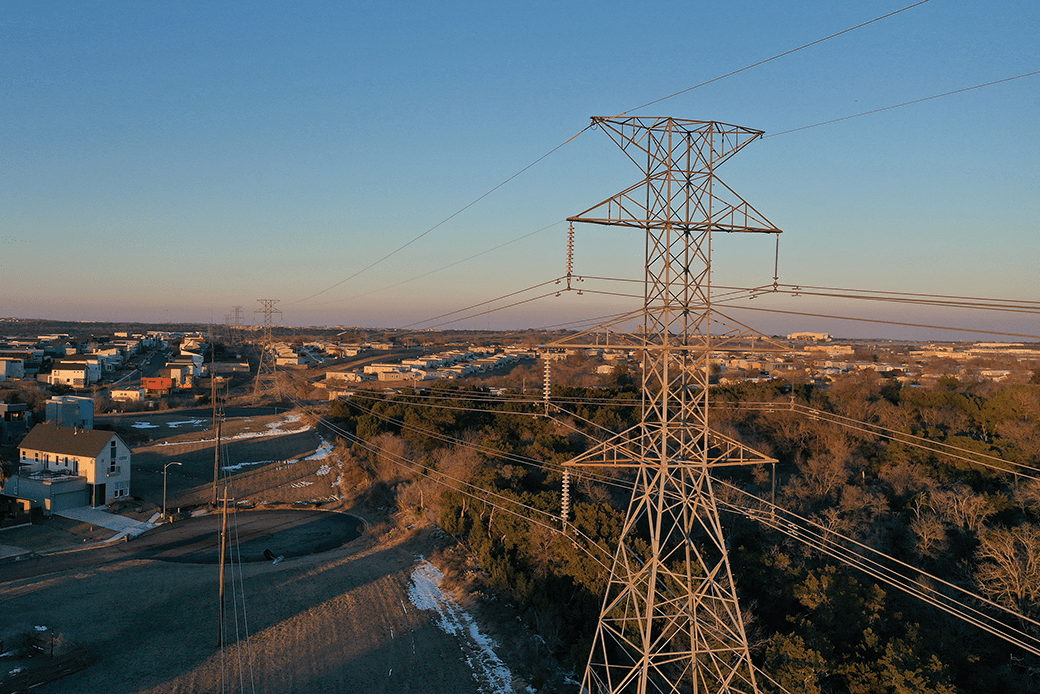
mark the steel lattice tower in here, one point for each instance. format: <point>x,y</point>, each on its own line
<point>268,310</point>
<point>670,620</point>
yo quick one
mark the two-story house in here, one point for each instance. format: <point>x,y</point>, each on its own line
<point>68,467</point>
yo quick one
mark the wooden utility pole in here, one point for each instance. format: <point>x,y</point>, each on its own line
<point>223,558</point>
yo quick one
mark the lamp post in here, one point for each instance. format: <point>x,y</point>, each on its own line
<point>164,487</point>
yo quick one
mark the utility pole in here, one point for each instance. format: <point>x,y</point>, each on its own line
<point>670,620</point>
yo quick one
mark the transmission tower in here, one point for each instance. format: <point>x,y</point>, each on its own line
<point>670,620</point>
<point>267,356</point>
<point>236,323</point>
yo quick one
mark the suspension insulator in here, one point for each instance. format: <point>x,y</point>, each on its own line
<point>546,380</point>
<point>570,254</point>
<point>565,509</point>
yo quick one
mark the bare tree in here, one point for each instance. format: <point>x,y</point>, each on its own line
<point>930,534</point>
<point>1009,566</point>
<point>959,505</point>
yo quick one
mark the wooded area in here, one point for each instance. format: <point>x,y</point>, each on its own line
<point>943,479</point>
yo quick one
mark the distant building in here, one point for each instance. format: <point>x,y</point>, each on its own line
<point>70,375</point>
<point>70,411</point>
<point>14,420</point>
<point>157,385</point>
<point>130,394</point>
<point>11,368</point>
<point>812,337</point>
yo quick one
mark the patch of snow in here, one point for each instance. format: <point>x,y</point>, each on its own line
<point>273,429</point>
<point>188,422</point>
<point>488,669</point>
<point>301,484</point>
<point>40,628</point>
<point>289,419</point>
<point>144,425</point>
<point>323,450</point>
<point>239,466</point>
<point>323,470</point>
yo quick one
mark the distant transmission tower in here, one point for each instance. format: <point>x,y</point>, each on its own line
<point>267,356</point>
<point>236,323</point>
<point>670,620</point>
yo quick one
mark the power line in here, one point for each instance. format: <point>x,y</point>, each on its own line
<point>789,523</point>
<point>775,57</point>
<point>885,568</point>
<point>449,265</point>
<point>485,303</point>
<point>883,322</point>
<point>905,103</point>
<point>583,130</point>
<point>446,219</point>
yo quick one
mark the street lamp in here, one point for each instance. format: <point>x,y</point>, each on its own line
<point>164,487</point>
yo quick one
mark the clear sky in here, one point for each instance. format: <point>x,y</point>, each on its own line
<point>167,161</point>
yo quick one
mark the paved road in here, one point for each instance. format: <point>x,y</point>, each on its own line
<point>196,541</point>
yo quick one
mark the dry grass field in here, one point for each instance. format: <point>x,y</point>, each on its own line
<point>339,621</point>
<point>345,620</point>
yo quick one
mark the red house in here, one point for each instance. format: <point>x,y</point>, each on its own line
<point>157,385</point>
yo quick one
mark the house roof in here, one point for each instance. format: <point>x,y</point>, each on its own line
<point>67,440</point>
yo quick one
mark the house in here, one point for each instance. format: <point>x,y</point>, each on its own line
<point>14,421</point>
<point>91,363</point>
<point>70,411</point>
<point>68,374</point>
<point>179,373</point>
<point>11,368</point>
<point>157,385</point>
<point>127,394</point>
<point>68,467</point>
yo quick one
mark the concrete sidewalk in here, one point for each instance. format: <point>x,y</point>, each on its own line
<point>122,525</point>
<point>11,551</point>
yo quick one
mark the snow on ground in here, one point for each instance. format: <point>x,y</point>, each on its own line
<point>271,429</point>
<point>323,452</point>
<point>491,674</point>
<point>241,466</point>
<point>189,423</point>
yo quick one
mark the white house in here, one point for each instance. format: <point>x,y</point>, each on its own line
<point>127,394</point>
<point>68,374</point>
<point>67,467</point>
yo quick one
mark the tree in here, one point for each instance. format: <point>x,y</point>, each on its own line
<point>1009,566</point>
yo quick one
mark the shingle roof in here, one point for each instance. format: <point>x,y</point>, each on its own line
<point>67,440</point>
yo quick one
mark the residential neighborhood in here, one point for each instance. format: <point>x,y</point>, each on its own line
<point>53,385</point>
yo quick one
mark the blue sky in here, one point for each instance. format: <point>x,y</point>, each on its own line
<point>167,162</point>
